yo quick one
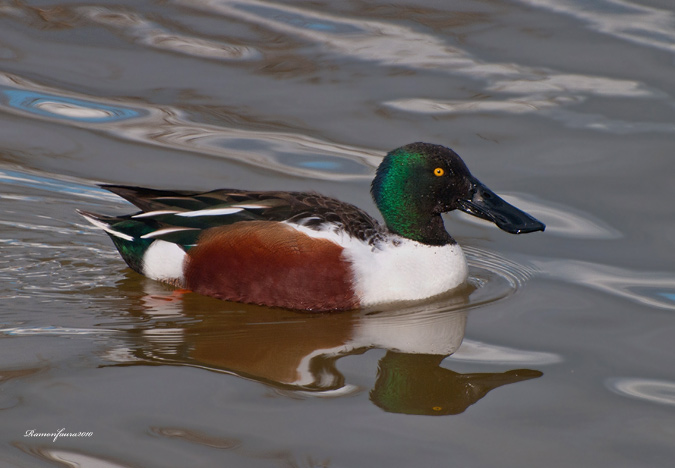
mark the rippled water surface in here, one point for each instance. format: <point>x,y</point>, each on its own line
<point>559,352</point>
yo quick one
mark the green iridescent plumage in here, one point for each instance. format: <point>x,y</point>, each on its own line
<point>409,194</point>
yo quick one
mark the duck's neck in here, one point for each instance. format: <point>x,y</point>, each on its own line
<point>427,229</point>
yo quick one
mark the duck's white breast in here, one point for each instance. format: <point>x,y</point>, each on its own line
<point>398,269</point>
<point>407,271</point>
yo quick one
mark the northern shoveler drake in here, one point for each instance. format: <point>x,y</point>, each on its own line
<point>307,251</point>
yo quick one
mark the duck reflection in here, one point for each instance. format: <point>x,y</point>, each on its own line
<point>417,384</point>
<point>297,351</point>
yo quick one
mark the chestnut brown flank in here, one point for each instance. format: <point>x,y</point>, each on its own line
<point>269,263</point>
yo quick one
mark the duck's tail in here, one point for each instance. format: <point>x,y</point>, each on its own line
<point>126,234</point>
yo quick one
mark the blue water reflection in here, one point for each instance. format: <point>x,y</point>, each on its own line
<point>24,179</point>
<point>62,107</point>
<point>325,163</point>
<point>670,296</point>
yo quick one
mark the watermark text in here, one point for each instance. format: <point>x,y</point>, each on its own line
<point>55,435</point>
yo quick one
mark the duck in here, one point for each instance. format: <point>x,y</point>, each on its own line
<point>307,251</point>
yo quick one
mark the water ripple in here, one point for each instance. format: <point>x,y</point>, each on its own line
<point>41,261</point>
<point>538,89</point>
<point>195,437</point>
<point>52,331</point>
<point>476,351</point>
<point>68,457</point>
<point>393,44</point>
<point>297,18</point>
<point>51,184</point>
<point>654,391</point>
<point>640,24</point>
<point>169,127</point>
<point>650,288</point>
<point>143,31</point>
<point>498,267</point>
<point>543,105</point>
<point>61,107</point>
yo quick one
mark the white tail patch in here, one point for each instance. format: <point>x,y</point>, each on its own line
<point>106,228</point>
<point>161,232</point>
<point>163,261</point>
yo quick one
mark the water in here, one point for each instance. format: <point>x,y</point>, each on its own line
<point>558,353</point>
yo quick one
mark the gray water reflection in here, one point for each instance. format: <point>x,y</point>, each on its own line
<point>542,106</point>
<point>539,90</point>
<point>650,288</point>
<point>485,353</point>
<point>392,44</point>
<point>630,21</point>
<point>148,33</point>
<point>69,458</point>
<point>170,127</point>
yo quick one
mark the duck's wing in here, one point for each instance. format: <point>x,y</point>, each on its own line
<point>180,216</point>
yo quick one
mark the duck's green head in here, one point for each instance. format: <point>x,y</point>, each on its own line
<point>415,183</point>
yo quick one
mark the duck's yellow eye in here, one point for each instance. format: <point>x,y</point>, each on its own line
<point>439,171</point>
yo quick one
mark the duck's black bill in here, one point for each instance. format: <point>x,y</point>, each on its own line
<point>485,204</point>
